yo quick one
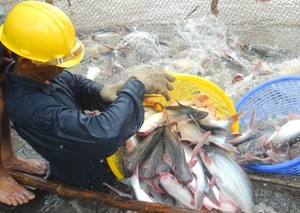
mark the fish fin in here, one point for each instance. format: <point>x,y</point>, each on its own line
<point>122,194</point>
<point>174,128</point>
<point>126,181</point>
<point>211,108</point>
<point>178,103</point>
<point>155,186</point>
<point>210,204</point>
<point>129,146</point>
<point>143,134</point>
<point>137,169</point>
<point>212,181</point>
<point>250,123</point>
<point>288,152</point>
<point>167,117</point>
<point>232,136</point>
<point>257,143</point>
<point>200,100</point>
<point>257,66</point>
<point>198,199</point>
<point>221,132</point>
<point>265,143</point>
<point>227,204</point>
<point>278,128</point>
<point>227,146</point>
<point>273,147</point>
<point>293,116</point>
<point>236,116</point>
<point>173,102</point>
<point>192,163</point>
<point>200,144</point>
<point>206,158</point>
<point>274,157</point>
<point>167,160</point>
<point>211,195</point>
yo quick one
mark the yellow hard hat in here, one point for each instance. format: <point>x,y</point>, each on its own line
<point>43,33</point>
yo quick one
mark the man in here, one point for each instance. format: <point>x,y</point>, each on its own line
<point>46,103</point>
<point>11,193</point>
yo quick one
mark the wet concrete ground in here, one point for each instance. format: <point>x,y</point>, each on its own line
<point>275,198</point>
<point>269,197</point>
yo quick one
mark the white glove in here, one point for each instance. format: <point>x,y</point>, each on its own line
<point>109,93</point>
<point>155,82</point>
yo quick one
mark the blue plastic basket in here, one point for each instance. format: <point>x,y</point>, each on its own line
<point>276,97</point>
<point>291,167</point>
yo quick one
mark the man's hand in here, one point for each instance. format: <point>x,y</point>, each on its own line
<point>109,93</point>
<point>155,81</point>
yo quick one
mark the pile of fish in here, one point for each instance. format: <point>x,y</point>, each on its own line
<point>185,155</point>
<point>269,143</point>
<point>181,156</point>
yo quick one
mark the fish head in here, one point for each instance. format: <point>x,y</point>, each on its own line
<point>166,176</point>
<point>198,114</point>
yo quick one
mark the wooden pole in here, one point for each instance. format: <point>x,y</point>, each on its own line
<point>110,200</point>
<point>278,180</point>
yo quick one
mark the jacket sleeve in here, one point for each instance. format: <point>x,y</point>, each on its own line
<point>96,136</point>
<point>86,91</point>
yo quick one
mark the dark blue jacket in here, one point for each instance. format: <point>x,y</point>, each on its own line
<point>51,118</point>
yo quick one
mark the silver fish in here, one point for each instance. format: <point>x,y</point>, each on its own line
<point>229,176</point>
<point>149,111</point>
<point>183,112</point>
<point>134,182</point>
<point>190,131</point>
<point>223,141</point>
<point>151,123</point>
<point>288,134</point>
<point>225,204</point>
<point>162,197</point>
<point>209,123</point>
<point>174,151</point>
<point>176,189</point>
<point>265,52</point>
<point>249,133</point>
<point>132,142</point>
<point>151,165</point>
<point>277,157</point>
<point>203,188</point>
<point>142,150</point>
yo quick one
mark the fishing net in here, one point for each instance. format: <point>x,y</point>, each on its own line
<point>264,22</point>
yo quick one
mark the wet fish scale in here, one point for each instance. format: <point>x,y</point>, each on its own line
<point>151,165</point>
<point>288,134</point>
<point>182,112</point>
<point>142,150</point>
<point>175,152</point>
<point>230,177</point>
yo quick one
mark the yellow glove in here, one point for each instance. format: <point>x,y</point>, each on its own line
<point>155,81</point>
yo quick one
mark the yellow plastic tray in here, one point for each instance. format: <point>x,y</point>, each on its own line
<point>186,87</point>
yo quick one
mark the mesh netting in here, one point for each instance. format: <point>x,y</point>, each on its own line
<point>273,22</point>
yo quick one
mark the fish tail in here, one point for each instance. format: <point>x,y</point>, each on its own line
<point>198,199</point>
<point>236,117</point>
